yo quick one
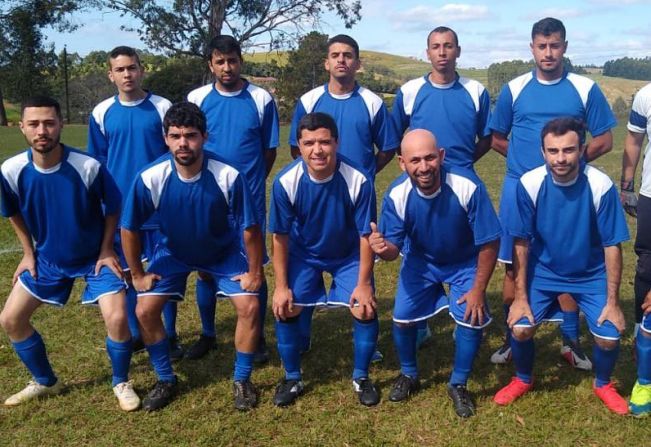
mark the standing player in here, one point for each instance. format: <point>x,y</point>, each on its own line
<point>639,125</point>
<point>243,130</point>
<point>453,233</point>
<point>125,132</point>
<point>568,227</point>
<point>64,208</point>
<point>206,217</point>
<point>524,106</point>
<point>320,213</point>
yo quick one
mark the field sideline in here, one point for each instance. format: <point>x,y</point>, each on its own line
<point>562,409</point>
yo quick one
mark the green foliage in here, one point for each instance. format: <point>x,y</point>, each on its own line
<point>620,108</point>
<point>176,77</point>
<point>629,68</point>
<point>500,73</point>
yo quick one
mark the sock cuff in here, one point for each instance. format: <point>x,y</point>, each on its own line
<point>365,322</point>
<point>30,341</point>
<point>118,344</point>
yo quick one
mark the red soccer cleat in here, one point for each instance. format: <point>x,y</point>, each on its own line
<point>512,391</point>
<point>611,398</point>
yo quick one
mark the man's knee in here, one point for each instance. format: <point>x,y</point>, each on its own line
<point>523,333</point>
<point>606,344</point>
<point>147,312</point>
<point>248,307</point>
<point>359,314</point>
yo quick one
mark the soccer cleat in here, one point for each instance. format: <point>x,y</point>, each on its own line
<point>611,398</point>
<point>127,397</point>
<point>515,389</point>
<point>640,403</point>
<point>423,336</point>
<point>137,345</point>
<point>244,395</point>
<point>34,390</point>
<point>502,355</point>
<point>176,350</point>
<point>159,396</point>
<point>201,347</point>
<point>366,392</point>
<point>574,355</point>
<point>261,355</point>
<point>287,391</point>
<point>403,387</point>
<point>377,357</point>
<point>461,399</point>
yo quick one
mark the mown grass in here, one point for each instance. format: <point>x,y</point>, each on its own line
<point>561,411</point>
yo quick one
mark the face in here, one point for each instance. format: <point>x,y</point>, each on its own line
<point>422,160</point>
<point>42,128</point>
<point>563,155</point>
<point>227,69</point>
<point>319,152</point>
<point>442,52</point>
<point>548,53</point>
<point>341,62</point>
<point>126,73</point>
<point>185,143</point>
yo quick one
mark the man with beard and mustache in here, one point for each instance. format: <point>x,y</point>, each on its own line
<point>445,213</point>
<point>206,216</point>
<point>64,208</point>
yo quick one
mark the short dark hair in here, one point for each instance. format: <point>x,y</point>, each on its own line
<point>441,30</point>
<point>225,45</point>
<point>317,120</point>
<point>185,114</point>
<point>561,126</point>
<point>547,27</point>
<point>41,101</point>
<point>123,50</point>
<point>346,40</point>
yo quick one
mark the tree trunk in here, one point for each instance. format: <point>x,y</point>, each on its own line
<point>3,112</point>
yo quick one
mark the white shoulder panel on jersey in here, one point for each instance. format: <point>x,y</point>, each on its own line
<point>642,107</point>
<point>373,102</point>
<point>582,85</point>
<point>224,174</point>
<point>12,168</point>
<point>518,84</point>
<point>399,195</point>
<point>310,98</point>
<point>162,106</point>
<point>261,98</point>
<point>290,181</point>
<point>354,179</point>
<point>475,89</point>
<point>409,92</point>
<point>462,187</point>
<point>99,112</point>
<point>87,167</point>
<point>599,183</point>
<point>532,182</point>
<point>197,95</point>
<point>155,178</point>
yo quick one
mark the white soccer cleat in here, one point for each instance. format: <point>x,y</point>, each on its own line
<point>575,357</point>
<point>502,355</point>
<point>127,397</point>
<point>32,391</point>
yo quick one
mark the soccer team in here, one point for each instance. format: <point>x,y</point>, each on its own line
<point>182,187</point>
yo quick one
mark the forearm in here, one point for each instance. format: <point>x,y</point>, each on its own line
<point>366,261</point>
<point>520,261</point>
<point>613,257</point>
<point>486,261</point>
<point>631,157</point>
<point>296,152</point>
<point>253,244</point>
<point>499,143</point>
<point>22,233</point>
<point>269,159</point>
<point>598,146</point>
<point>482,147</point>
<point>382,158</point>
<point>110,225</point>
<point>132,248</point>
<point>280,259</point>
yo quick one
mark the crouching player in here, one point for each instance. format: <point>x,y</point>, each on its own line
<point>568,227</point>
<point>453,234</point>
<point>64,208</point>
<point>206,216</point>
<point>320,213</point>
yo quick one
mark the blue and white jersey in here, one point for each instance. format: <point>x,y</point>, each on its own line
<point>526,104</point>
<point>639,121</point>
<point>568,226</point>
<point>242,125</point>
<point>456,113</point>
<point>446,227</point>
<point>63,206</point>
<point>324,218</point>
<point>362,119</point>
<point>202,218</point>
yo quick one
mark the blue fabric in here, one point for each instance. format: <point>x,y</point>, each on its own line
<point>467,343</point>
<point>570,326</point>
<point>120,355</point>
<point>604,363</point>
<point>288,337</point>
<point>643,348</point>
<point>404,337</point>
<point>243,365</point>
<point>34,356</point>
<point>305,323</point>
<point>523,355</point>
<point>132,320</point>
<point>207,304</point>
<point>364,343</point>
<point>263,295</point>
<point>159,356</point>
<point>169,318</point>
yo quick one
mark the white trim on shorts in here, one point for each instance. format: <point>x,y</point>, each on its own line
<point>98,297</point>
<point>43,300</point>
<point>416,320</point>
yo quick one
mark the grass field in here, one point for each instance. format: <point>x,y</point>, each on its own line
<point>560,411</point>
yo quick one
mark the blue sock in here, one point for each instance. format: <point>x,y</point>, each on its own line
<point>466,347</point>
<point>33,354</point>
<point>365,334</point>
<point>523,354</point>
<point>305,325</point>
<point>570,326</point>
<point>404,338</point>
<point>507,337</point>
<point>643,347</point>
<point>159,356</point>
<point>604,363</point>
<point>263,295</point>
<point>132,320</point>
<point>288,336</point>
<point>207,304</point>
<point>243,365</point>
<point>169,318</point>
<point>120,354</point>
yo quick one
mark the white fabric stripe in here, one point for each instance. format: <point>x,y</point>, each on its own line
<point>155,178</point>
<point>373,102</point>
<point>197,95</point>
<point>462,187</point>
<point>474,89</point>
<point>532,182</point>
<point>224,175</point>
<point>518,84</point>
<point>28,290</point>
<point>409,92</point>
<point>12,168</point>
<point>416,320</point>
<point>354,179</point>
<point>599,183</point>
<point>99,112</point>
<point>310,98</point>
<point>290,180</point>
<point>162,106</point>
<point>582,85</point>
<point>87,167</point>
<point>399,195</point>
<point>261,98</point>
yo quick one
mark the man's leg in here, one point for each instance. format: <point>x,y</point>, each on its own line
<point>571,348</point>
<point>365,334</point>
<point>466,346</point>
<point>207,305</point>
<point>640,403</point>
<point>305,324</point>
<point>503,354</point>
<point>247,334</point>
<point>288,338</point>
<point>523,349</point>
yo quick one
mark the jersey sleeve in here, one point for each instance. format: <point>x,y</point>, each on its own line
<point>391,225</point>
<point>400,118</point>
<point>97,142</point>
<point>482,218</point>
<point>299,112</point>
<point>521,221</point>
<point>108,190</point>
<point>610,219</point>
<point>599,116</point>
<point>385,135</point>
<point>10,205</point>
<point>501,119</point>
<point>483,117</point>
<point>241,204</point>
<point>637,119</point>
<point>365,209</point>
<point>270,126</point>
<point>281,211</point>
<point>138,206</point>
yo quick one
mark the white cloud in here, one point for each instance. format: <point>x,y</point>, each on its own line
<point>559,13</point>
<point>424,17</point>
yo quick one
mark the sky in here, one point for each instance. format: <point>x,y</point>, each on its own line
<point>495,31</point>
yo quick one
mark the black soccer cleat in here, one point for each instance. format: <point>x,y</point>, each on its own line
<point>462,401</point>
<point>287,391</point>
<point>176,350</point>
<point>159,396</point>
<point>403,387</point>
<point>245,395</point>
<point>201,347</point>
<point>366,392</point>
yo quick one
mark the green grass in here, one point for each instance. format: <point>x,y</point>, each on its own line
<point>560,411</point>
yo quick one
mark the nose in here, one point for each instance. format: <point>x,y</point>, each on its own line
<point>41,129</point>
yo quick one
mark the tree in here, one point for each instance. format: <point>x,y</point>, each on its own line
<point>620,108</point>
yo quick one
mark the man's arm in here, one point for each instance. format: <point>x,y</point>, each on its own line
<point>482,147</point>
<point>499,143</point>
<point>384,249</point>
<point>520,307</point>
<point>476,297</point>
<point>132,248</point>
<point>363,294</point>
<point>107,256</point>
<point>252,280</point>
<point>28,262</point>
<point>599,145</point>
<point>296,152</point>
<point>630,159</point>
<point>283,299</point>
<point>612,311</point>
<point>382,158</point>
<point>269,159</point>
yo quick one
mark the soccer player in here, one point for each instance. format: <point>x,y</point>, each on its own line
<point>568,227</point>
<point>243,129</point>
<point>64,207</point>
<point>206,216</point>
<point>453,233</point>
<point>525,104</point>
<point>320,213</point>
<point>125,132</point>
<point>639,125</point>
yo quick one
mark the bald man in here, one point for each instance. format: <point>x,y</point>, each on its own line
<point>454,236</point>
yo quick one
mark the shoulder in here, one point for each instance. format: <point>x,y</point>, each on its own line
<point>643,98</point>
<point>532,181</point>
<point>161,104</point>
<point>86,166</point>
<point>310,98</point>
<point>350,170</point>
<point>599,181</point>
<point>582,85</point>
<point>516,85</point>
<point>463,184</point>
<point>472,85</point>
<point>373,102</point>
<point>99,111</point>
<point>224,173</point>
<point>259,94</point>
<point>198,95</point>
<point>12,167</point>
<point>412,87</point>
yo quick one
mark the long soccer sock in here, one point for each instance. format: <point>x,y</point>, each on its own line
<point>466,346</point>
<point>641,288</point>
<point>507,335</point>
<point>523,354</point>
<point>132,320</point>
<point>207,304</point>
<point>119,353</point>
<point>604,363</point>
<point>33,354</point>
<point>365,334</point>
<point>643,347</point>
<point>170,311</point>
<point>570,326</point>
<point>305,325</point>
<point>243,365</point>
<point>159,356</point>
<point>404,338</point>
<point>287,334</point>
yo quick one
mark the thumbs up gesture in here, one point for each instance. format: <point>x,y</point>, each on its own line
<point>376,240</point>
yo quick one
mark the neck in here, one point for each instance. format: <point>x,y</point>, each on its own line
<point>549,75</point>
<point>49,159</point>
<point>442,78</point>
<point>187,172</point>
<point>230,88</point>
<point>341,87</point>
<point>132,96</point>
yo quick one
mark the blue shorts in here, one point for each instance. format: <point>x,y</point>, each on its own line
<point>421,295</point>
<point>53,285</point>
<point>646,323</point>
<point>507,201</point>
<point>544,307</point>
<point>148,239</point>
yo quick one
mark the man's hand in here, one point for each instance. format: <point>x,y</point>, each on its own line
<point>365,298</point>
<point>144,282</point>
<point>376,240</point>
<point>646,305</point>
<point>108,258</point>
<point>613,313</point>
<point>28,262</point>
<point>249,281</point>
<point>474,300</point>
<point>629,201</point>
<point>519,309</point>
<point>283,303</point>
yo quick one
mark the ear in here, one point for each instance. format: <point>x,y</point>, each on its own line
<point>442,154</point>
<point>458,51</point>
<point>401,162</point>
